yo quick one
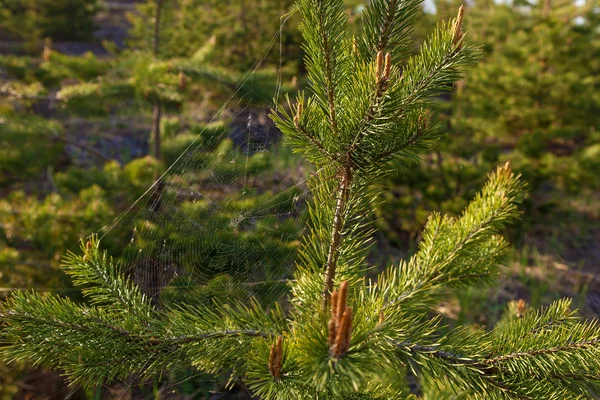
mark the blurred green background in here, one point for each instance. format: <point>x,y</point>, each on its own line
<point>99,98</point>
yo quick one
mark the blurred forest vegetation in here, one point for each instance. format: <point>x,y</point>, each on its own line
<point>98,98</point>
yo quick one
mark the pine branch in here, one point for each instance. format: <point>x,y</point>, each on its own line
<point>457,251</point>
<point>103,279</point>
<point>553,350</point>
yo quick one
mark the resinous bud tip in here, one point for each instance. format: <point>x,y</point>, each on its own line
<point>379,65</point>
<point>298,115</point>
<point>458,23</point>
<point>388,66</point>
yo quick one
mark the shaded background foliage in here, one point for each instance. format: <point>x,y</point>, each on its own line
<point>76,143</point>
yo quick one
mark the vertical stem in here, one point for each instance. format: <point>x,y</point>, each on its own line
<point>156,117</point>
<point>157,15</point>
<point>336,233</point>
<point>244,22</point>
<point>156,107</point>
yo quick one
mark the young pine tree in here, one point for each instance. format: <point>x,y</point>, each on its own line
<point>341,336</point>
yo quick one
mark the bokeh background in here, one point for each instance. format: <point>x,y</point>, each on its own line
<point>99,98</point>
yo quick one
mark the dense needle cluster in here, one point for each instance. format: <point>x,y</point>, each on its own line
<point>367,112</point>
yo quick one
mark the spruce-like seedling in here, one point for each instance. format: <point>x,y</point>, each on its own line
<point>340,335</point>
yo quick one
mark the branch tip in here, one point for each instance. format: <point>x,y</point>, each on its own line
<point>457,28</point>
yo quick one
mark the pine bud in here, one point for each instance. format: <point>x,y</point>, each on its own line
<point>379,66</point>
<point>354,46</point>
<point>298,114</point>
<point>276,358</point>
<point>334,307</point>
<point>331,331</point>
<point>181,80</point>
<point>339,328</point>
<point>47,52</point>
<point>388,66</point>
<point>272,357</point>
<point>457,28</point>
<point>381,317</point>
<point>521,308</point>
<point>342,338</point>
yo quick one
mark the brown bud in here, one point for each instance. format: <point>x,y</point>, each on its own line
<point>276,358</point>
<point>342,338</point>
<point>381,317</point>
<point>181,80</point>
<point>331,331</point>
<point>354,46</point>
<point>339,328</point>
<point>379,66</point>
<point>298,115</point>
<point>521,308</point>
<point>47,53</point>
<point>272,357</point>
<point>457,28</point>
<point>334,306</point>
<point>388,66</point>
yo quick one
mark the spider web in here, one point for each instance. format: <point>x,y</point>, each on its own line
<point>222,222</point>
